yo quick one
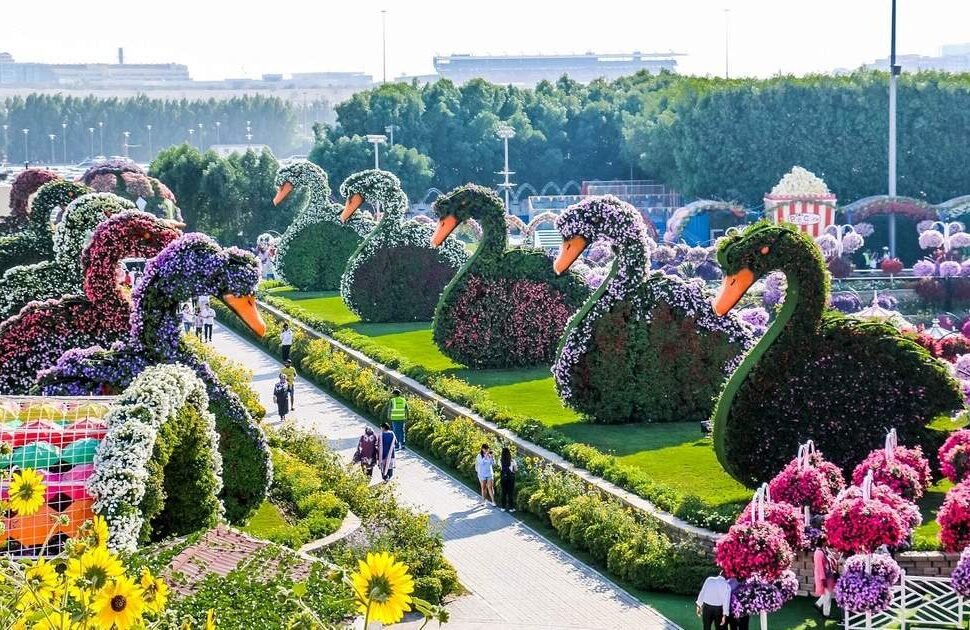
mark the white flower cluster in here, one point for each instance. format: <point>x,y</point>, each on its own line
<point>121,461</point>
<point>800,182</point>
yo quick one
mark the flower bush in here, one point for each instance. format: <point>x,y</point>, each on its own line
<point>859,591</point>
<point>907,472</point>
<point>314,249</point>
<point>395,275</point>
<point>505,308</point>
<point>858,525</point>
<point>908,512</point>
<point>750,549</point>
<point>954,456</point>
<point>846,302</point>
<point>954,518</point>
<point>643,347</point>
<point>34,241</point>
<point>26,183</point>
<point>892,266</point>
<point>960,578</point>
<point>755,317</point>
<point>126,179</point>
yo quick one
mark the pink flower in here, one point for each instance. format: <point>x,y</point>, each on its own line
<point>907,472</point>
<point>750,549</point>
<point>955,456</point>
<point>857,525</point>
<point>954,518</point>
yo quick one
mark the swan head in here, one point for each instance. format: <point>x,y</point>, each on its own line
<point>299,174</point>
<point>747,255</point>
<point>594,218</point>
<point>372,185</point>
<point>51,200</point>
<point>460,205</point>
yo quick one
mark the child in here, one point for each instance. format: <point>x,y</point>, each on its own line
<point>198,322</point>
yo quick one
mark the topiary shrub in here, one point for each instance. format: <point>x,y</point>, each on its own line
<point>314,249</point>
<point>802,379</point>
<point>644,347</point>
<point>505,308</point>
<point>34,241</point>
<point>126,179</point>
<point>25,184</point>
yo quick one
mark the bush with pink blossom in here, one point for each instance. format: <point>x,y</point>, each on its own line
<point>802,486</point>
<point>924,269</point>
<point>909,514</point>
<point>858,525</point>
<point>753,549</point>
<point>954,518</point>
<point>907,471</point>
<point>955,455</point>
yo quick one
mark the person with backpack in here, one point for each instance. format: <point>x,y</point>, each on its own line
<point>366,454</point>
<point>396,411</point>
<point>509,469</point>
<point>281,395</point>
<point>289,372</point>
<point>387,444</point>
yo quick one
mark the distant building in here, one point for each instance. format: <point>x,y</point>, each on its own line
<point>527,70</point>
<point>13,73</point>
<point>952,58</point>
<point>225,150</point>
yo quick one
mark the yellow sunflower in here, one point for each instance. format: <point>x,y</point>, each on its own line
<point>27,491</point>
<point>118,605</point>
<point>210,620</point>
<point>40,582</point>
<point>96,530</point>
<point>154,591</point>
<point>383,587</point>
<point>93,570</point>
<point>56,621</point>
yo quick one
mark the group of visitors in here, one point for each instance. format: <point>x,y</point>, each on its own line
<point>484,466</point>
<point>377,451</point>
<point>283,390</point>
<point>714,605</point>
<point>199,316</point>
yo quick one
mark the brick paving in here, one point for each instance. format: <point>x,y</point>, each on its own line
<point>516,579</point>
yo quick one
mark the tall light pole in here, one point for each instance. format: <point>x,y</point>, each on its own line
<point>505,132</point>
<point>893,71</point>
<point>26,156</point>
<point>390,129</point>
<point>151,153</point>
<point>101,133</point>
<point>91,133</point>
<point>191,139</point>
<point>126,134</point>
<point>249,134</point>
<point>376,139</point>
<point>201,135</point>
<point>727,33</point>
<point>64,139</point>
<point>6,143</point>
<point>218,139</point>
<point>384,43</point>
<point>52,137</point>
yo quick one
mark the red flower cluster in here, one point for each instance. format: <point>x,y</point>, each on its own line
<point>955,456</point>
<point>909,514</point>
<point>750,549</point>
<point>858,525</point>
<point>906,472</point>
<point>786,517</point>
<point>954,518</point>
<point>814,486</point>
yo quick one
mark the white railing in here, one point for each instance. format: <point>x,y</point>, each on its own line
<point>918,602</point>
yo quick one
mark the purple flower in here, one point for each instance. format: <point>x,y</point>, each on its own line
<point>663,255</point>
<point>755,317</point>
<point>949,268</point>
<point>756,595</point>
<point>600,252</point>
<point>960,578</point>
<point>924,269</point>
<point>708,271</point>
<point>887,301</point>
<point>860,591</point>
<point>846,302</point>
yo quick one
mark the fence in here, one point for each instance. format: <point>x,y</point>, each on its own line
<point>918,602</point>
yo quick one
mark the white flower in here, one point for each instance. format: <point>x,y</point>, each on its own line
<point>800,182</point>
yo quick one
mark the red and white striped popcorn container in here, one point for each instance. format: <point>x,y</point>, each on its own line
<point>811,213</point>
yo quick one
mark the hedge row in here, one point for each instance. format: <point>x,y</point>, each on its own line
<point>625,542</point>
<point>299,488</point>
<point>688,507</point>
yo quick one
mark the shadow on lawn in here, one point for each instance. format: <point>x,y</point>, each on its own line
<point>630,439</point>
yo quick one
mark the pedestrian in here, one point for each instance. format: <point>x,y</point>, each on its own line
<point>188,317</point>
<point>366,454</point>
<point>198,323</point>
<point>714,603</point>
<point>825,573</point>
<point>286,341</point>
<point>737,622</point>
<point>484,462</point>
<point>396,411</point>
<point>387,444</point>
<point>281,396</point>
<point>509,469</point>
<point>289,372</point>
<point>208,320</point>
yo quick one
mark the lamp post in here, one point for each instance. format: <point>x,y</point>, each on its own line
<point>101,133</point>
<point>91,133</point>
<point>390,129</point>
<point>6,143</point>
<point>384,44</point>
<point>64,139</point>
<point>505,131</point>
<point>249,134</point>
<point>893,72</point>
<point>727,33</point>
<point>201,136</point>
<point>191,140</point>
<point>52,137</point>
<point>126,134</point>
<point>26,155</point>
<point>151,153</point>
<point>218,125</point>
<point>376,139</point>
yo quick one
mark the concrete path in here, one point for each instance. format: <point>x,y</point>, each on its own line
<point>517,579</point>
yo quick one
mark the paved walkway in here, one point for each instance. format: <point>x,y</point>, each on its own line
<point>517,580</point>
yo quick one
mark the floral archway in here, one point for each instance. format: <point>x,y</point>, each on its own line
<point>682,216</point>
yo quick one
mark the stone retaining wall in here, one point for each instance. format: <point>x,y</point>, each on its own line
<point>919,563</point>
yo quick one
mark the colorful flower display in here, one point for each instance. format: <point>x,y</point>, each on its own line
<point>753,549</point>
<point>802,486</point>
<point>34,241</point>
<point>785,516</point>
<point>960,578</point>
<point>954,518</point>
<point>955,455</point>
<point>25,184</point>
<point>906,471</point>
<point>867,591</point>
<point>126,179</point>
<point>859,525</point>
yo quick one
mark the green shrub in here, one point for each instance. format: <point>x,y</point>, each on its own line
<point>326,503</point>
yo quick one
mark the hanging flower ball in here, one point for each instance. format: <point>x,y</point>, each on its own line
<point>859,591</point>
<point>753,549</point>
<point>924,269</point>
<point>832,473</point>
<point>955,454</point>
<point>787,583</point>
<point>786,517</point>
<point>960,578</point>
<point>931,239</point>
<point>857,525</point>
<point>851,242</point>
<point>755,596</point>
<point>909,514</point>
<point>802,487</point>
<point>950,269</point>
<point>954,518</point>
<point>906,472</point>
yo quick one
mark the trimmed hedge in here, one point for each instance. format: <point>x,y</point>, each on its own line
<point>804,379</point>
<point>34,241</point>
<point>676,567</point>
<point>299,488</point>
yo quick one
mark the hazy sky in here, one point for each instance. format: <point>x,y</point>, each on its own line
<point>220,39</point>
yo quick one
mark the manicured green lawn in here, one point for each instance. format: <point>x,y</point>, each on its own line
<point>267,518</point>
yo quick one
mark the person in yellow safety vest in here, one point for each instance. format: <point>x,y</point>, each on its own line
<point>396,411</point>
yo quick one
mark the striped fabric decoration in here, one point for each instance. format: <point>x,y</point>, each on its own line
<point>811,215</point>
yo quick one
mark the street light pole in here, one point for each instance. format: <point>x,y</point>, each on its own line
<point>191,140</point>
<point>6,144</point>
<point>218,140</point>
<point>52,138</point>
<point>26,153</point>
<point>893,71</point>
<point>64,139</point>
<point>127,135</point>
<point>505,132</point>
<point>727,23</point>
<point>101,133</point>
<point>384,43</point>
<point>390,129</point>
<point>376,139</point>
<point>151,153</point>
<point>91,133</point>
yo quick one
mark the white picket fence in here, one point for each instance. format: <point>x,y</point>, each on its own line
<point>918,602</point>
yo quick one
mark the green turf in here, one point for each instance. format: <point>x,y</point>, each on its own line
<point>267,518</point>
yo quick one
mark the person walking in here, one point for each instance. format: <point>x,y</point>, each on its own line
<point>387,445</point>
<point>289,372</point>
<point>825,573</point>
<point>208,320</point>
<point>286,341</point>
<point>281,396</point>
<point>714,603</point>
<point>198,323</point>
<point>509,469</point>
<point>366,454</point>
<point>484,463</point>
<point>188,317</point>
<point>396,411</point>
<point>737,622</point>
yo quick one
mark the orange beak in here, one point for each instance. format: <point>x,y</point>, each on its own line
<point>446,225</point>
<point>732,289</point>
<point>285,189</point>
<point>352,204</point>
<point>244,306</point>
<point>568,253</point>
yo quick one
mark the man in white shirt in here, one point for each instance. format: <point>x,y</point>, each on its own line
<point>714,602</point>
<point>208,319</point>
<point>286,340</point>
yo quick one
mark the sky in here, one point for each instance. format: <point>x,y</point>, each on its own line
<point>221,39</point>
